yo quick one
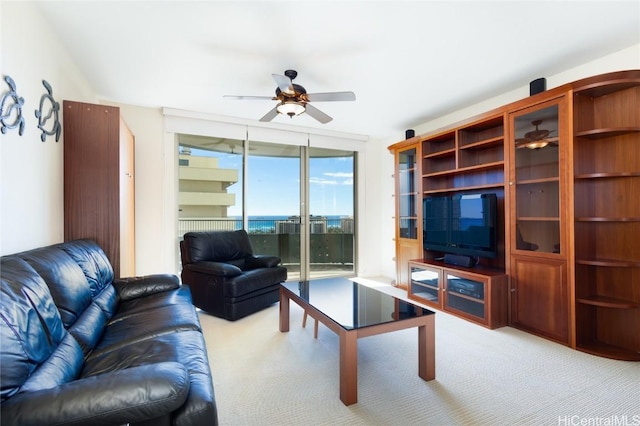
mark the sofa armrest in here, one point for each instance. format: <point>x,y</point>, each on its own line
<point>126,396</point>
<point>215,268</point>
<point>262,261</point>
<point>134,287</point>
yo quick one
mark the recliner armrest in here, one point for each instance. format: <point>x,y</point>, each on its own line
<point>134,287</point>
<point>262,261</point>
<point>127,396</point>
<point>214,268</point>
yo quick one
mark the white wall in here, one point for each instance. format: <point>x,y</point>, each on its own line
<point>377,255</point>
<point>625,59</point>
<point>31,171</point>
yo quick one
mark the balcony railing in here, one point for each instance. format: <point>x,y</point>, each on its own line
<point>331,239</point>
<point>206,225</point>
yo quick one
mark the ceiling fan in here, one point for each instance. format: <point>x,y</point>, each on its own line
<point>294,100</point>
<point>536,139</point>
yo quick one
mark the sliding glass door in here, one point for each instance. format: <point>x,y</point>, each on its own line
<point>295,202</point>
<point>273,202</point>
<point>331,212</point>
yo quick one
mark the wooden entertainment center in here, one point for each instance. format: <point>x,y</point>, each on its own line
<point>564,165</point>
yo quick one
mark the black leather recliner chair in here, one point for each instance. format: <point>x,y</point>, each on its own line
<point>226,279</point>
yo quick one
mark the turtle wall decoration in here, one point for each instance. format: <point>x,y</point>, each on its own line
<point>48,108</point>
<point>11,109</point>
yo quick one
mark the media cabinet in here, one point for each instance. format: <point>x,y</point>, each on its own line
<point>476,294</point>
<point>565,166</point>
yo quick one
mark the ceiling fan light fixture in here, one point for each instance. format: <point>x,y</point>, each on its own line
<point>537,144</point>
<point>294,100</point>
<point>290,108</point>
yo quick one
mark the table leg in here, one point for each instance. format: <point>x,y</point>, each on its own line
<point>348,367</point>
<point>284,312</point>
<point>427,349</point>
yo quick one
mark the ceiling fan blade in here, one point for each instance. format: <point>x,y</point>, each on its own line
<point>537,134</point>
<point>317,114</point>
<point>331,96</point>
<point>271,98</point>
<point>284,83</point>
<point>270,115</point>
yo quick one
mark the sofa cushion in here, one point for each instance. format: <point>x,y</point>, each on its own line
<point>131,288</point>
<point>129,329</point>
<point>145,395</point>
<point>66,281</point>
<point>93,262</point>
<point>188,348</point>
<point>89,328</point>
<point>63,366</point>
<point>31,330</point>
<point>180,296</point>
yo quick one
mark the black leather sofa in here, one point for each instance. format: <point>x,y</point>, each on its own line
<point>80,348</point>
<point>226,278</point>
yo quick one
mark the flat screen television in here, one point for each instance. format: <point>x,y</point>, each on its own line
<point>462,224</point>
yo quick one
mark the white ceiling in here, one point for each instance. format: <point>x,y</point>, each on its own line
<point>406,61</point>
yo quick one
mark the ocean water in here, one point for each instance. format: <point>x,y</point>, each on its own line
<point>264,223</point>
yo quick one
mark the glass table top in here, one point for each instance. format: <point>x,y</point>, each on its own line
<point>353,305</point>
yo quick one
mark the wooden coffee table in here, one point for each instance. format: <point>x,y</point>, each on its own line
<point>354,310</point>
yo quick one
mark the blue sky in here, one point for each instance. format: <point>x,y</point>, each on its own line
<point>274,183</point>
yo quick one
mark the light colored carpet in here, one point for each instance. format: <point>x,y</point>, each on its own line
<point>483,377</point>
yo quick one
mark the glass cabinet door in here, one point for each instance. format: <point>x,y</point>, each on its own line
<point>536,178</point>
<point>425,284</point>
<point>465,295</point>
<point>407,194</point>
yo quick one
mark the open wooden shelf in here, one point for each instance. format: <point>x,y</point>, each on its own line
<point>606,149</point>
<point>607,87</point>
<point>606,175</point>
<point>464,188</point>
<point>607,219</point>
<point>462,170</point>
<point>607,132</point>
<point>608,302</point>
<point>484,144</point>
<point>444,153</point>
<point>611,263</point>
<point>608,351</point>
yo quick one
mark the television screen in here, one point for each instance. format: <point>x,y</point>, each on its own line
<point>473,224</point>
<point>463,224</point>
<point>435,213</point>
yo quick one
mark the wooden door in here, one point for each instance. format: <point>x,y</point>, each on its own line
<point>94,174</point>
<point>127,201</point>
<point>540,297</point>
